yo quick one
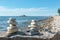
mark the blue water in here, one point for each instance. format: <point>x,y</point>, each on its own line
<point>22,21</point>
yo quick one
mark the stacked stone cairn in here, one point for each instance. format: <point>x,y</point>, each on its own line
<point>33,28</point>
<point>13,27</point>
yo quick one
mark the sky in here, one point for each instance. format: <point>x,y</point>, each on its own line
<point>29,7</point>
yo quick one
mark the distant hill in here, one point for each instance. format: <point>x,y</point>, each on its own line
<point>22,15</point>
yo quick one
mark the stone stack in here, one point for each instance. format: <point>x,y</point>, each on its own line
<point>13,27</point>
<point>33,27</point>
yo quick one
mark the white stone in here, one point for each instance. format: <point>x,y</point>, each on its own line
<point>33,22</point>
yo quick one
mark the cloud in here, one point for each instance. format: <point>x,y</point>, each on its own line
<point>28,11</point>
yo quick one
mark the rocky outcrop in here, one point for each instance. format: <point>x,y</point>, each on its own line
<point>51,24</point>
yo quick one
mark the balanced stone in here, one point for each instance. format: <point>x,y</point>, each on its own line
<point>33,28</point>
<point>33,25</point>
<point>13,27</point>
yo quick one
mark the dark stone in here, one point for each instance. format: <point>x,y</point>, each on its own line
<point>32,33</point>
<point>21,33</point>
<point>35,33</point>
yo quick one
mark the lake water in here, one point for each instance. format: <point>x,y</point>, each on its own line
<point>22,21</point>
